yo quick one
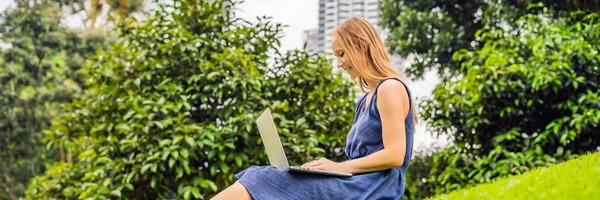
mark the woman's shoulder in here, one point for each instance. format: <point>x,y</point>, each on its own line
<point>392,86</point>
<point>393,93</point>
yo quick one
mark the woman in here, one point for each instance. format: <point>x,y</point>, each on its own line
<point>379,145</point>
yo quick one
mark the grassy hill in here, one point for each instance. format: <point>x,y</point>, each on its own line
<point>575,179</point>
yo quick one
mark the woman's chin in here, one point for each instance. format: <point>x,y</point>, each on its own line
<point>352,76</point>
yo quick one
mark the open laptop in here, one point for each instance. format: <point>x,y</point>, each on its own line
<point>277,158</point>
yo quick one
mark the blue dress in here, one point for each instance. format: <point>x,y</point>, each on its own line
<point>364,138</point>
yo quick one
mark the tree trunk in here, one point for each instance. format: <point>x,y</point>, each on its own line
<point>61,152</point>
<point>5,158</point>
<point>8,180</point>
<point>69,157</point>
<point>95,8</point>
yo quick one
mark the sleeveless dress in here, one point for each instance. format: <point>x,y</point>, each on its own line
<point>364,138</point>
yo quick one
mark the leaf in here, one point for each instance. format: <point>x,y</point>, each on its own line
<point>106,182</point>
<point>191,141</point>
<point>187,168</point>
<point>116,193</point>
<point>563,138</point>
<point>212,186</point>
<point>145,167</point>
<point>224,167</point>
<point>196,192</point>
<point>186,194</point>
<point>128,115</point>
<point>171,163</point>
<point>560,151</point>
<point>153,182</point>
<point>179,171</point>
<point>166,154</point>
<point>124,127</point>
<point>222,155</point>
<point>177,139</point>
<point>87,153</point>
<point>165,81</point>
<point>300,121</point>
<point>238,161</point>
<point>164,142</point>
<point>159,124</point>
<point>213,170</point>
<point>175,154</point>
<point>27,93</point>
<point>129,186</point>
<point>184,153</point>
<point>212,75</point>
<point>537,5</point>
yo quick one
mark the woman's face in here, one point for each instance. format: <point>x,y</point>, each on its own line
<point>343,60</point>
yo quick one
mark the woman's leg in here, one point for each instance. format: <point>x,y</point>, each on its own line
<point>235,191</point>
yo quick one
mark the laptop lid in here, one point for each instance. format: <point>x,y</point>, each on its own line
<point>270,138</point>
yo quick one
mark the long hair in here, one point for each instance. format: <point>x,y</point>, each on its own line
<point>366,51</point>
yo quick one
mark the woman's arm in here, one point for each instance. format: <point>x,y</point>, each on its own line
<point>393,105</point>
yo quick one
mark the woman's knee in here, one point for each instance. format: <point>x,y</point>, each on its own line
<point>235,191</point>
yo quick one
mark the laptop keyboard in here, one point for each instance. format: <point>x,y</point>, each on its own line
<point>303,168</point>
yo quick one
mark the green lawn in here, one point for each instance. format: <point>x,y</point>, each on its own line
<point>575,179</point>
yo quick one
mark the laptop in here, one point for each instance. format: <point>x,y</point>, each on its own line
<point>275,153</point>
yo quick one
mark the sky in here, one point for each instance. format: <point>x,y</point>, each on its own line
<point>300,15</point>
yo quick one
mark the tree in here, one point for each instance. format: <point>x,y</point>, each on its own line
<point>502,100</point>
<point>529,97</point>
<point>37,74</point>
<point>429,32</point>
<point>169,112</point>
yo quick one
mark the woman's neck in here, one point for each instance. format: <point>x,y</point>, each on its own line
<point>372,84</point>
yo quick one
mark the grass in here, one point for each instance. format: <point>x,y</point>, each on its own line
<point>575,179</point>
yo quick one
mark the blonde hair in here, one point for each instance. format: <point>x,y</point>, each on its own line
<point>366,51</point>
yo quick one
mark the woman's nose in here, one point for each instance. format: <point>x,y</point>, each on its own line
<point>340,64</point>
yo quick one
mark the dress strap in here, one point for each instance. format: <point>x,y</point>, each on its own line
<point>405,86</point>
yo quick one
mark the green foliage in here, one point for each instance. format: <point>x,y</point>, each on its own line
<point>170,111</point>
<point>528,98</point>
<point>417,184</point>
<point>37,74</point>
<point>575,179</point>
<point>519,82</point>
<point>431,31</point>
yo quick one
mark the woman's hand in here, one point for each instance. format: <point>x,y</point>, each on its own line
<point>327,165</point>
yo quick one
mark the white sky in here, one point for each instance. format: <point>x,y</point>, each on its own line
<point>300,15</point>
<point>4,4</point>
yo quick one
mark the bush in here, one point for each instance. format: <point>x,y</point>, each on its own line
<point>418,185</point>
<point>39,59</point>
<point>169,113</point>
<point>529,98</point>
